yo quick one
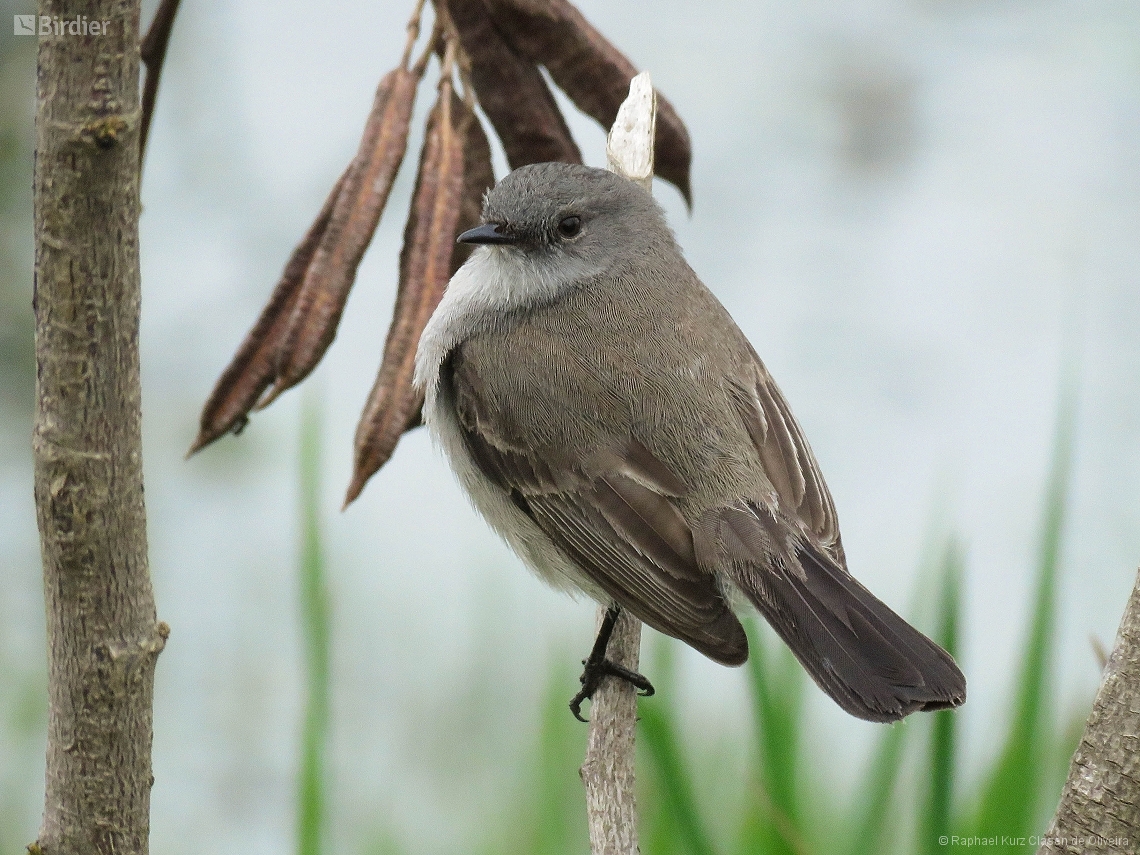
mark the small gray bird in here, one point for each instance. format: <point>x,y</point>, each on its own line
<point>610,420</point>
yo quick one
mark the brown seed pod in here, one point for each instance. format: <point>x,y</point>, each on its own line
<point>594,73</point>
<point>332,272</point>
<point>425,267</point>
<point>478,178</point>
<point>253,368</point>
<point>511,91</point>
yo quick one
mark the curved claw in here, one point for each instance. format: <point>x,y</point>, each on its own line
<point>597,666</point>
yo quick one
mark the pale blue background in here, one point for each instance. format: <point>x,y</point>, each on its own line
<point>918,212</point>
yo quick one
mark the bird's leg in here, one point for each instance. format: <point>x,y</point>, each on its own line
<point>597,666</point>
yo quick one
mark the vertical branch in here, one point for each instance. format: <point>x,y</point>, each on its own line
<point>608,770</point>
<point>103,639</point>
<point>152,50</point>
<point>1100,803</point>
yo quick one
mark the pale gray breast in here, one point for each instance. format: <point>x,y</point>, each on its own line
<point>654,358</point>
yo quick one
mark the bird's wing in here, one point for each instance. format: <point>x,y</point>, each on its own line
<point>611,513</point>
<point>786,457</point>
<point>786,556</point>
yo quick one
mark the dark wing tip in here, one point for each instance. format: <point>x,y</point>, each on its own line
<point>723,640</point>
<point>874,664</point>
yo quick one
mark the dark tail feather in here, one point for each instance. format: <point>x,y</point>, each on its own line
<point>872,662</point>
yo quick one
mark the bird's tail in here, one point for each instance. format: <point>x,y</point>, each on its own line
<point>872,662</point>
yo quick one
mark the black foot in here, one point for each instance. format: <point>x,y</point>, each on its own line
<point>598,667</point>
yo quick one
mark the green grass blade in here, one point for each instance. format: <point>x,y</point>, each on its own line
<point>875,818</point>
<point>772,820</point>
<point>675,825</point>
<point>935,822</point>
<point>558,822</point>
<point>878,791</point>
<point>382,842</point>
<point>315,638</point>
<point>659,733</point>
<point>657,821</point>
<point>1010,799</point>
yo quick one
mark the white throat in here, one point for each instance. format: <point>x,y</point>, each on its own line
<point>493,282</point>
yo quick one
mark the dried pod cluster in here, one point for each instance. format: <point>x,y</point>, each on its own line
<point>425,267</point>
<point>299,321</point>
<point>591,71</point>
<point>496,47</point>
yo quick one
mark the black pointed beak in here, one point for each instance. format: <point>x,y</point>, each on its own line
<point>486,233</point>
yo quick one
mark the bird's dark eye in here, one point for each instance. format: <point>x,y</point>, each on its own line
<point>570,226</point>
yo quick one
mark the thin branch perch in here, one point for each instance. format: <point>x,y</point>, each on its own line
<point>608,770</point>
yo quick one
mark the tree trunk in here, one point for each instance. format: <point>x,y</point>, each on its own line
<point>1100,804</point>
<point>103,638</point>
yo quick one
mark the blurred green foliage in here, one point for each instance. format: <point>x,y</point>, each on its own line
<point>315,633</point>
<point>1010,802</point>
<point>785,807</point>
<point>788,808</point>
